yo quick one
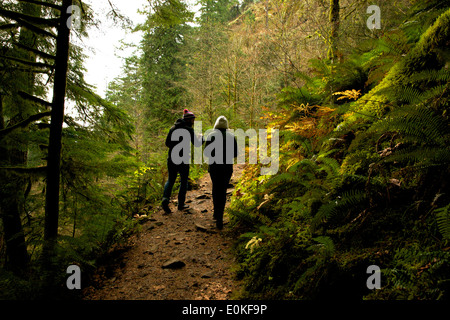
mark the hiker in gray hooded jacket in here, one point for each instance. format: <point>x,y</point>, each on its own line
<point>222,148</point>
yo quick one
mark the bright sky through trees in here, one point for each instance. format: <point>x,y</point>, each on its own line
<point>104,44</point>
<point>105,57</point>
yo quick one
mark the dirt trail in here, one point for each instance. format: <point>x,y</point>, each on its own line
<point>177,256</point>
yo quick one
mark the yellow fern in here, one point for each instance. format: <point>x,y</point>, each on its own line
<point>348,94</point>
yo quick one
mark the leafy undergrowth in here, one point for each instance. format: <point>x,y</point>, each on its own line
<point>363,181</point>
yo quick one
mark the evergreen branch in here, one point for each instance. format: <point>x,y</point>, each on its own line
<point>31,70</point>
<point>36,29</point>
<point>24,123</point>
<point>32,19</point>
<point>9,26</point>
<point>42,126</point>
<point>27,170</point>
<point>35,51</point>
<point>42,3</point>
<point>29,63</point>
<point>113,9</point>
<point>35,99</point>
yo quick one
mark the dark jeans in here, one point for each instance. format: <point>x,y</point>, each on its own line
<point>220,177</point>
<point>174,170</point>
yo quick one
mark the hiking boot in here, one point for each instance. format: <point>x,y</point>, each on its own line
<point>165,206</point>
<point>183,207</point>
<point>219,224</point>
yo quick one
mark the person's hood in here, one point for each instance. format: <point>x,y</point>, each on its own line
<point>181,123</point>
<point>221,123</point>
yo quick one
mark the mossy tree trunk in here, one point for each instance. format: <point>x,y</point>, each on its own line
<point>334,33</point>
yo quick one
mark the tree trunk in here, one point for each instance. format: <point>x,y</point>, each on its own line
<point>235,95</point>
<point>334,34</point>
<point>16,249</point>
<point>55,145</point>
<point>15,154</point>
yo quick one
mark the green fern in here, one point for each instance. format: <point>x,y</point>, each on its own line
<point>431,76</point>
<point>408,95</point>
<point>415,124</point>
<point>413,96</point>
<point>325,245</point>
<point>285,177</point>
<point>304,165</point>
<point>411,270</point>
<point>443,221</point>
<point>435,83</point>
<point>421,156</point>
<point>329,165</point>
<point>305,170</point>
<point>339,207</point>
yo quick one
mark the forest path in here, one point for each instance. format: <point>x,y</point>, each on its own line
<point>176,256</point>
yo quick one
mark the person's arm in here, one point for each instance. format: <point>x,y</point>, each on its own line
<point>168,138</point>
<point>197,142</point>
<point>208,140</point>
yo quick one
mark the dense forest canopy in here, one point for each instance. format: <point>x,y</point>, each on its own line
<point>359,92</point>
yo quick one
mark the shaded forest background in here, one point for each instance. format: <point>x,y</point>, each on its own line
<point>364,141</point>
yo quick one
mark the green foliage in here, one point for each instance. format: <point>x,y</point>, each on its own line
<point>303,95</point>
<point>161,65</point>
<point>340,207</point>
<point>416,274</point>
<point>443,221</point>
<point>369,191</point>
<point>324,245</point>
<point>364,159</point>
<point>13,287</point>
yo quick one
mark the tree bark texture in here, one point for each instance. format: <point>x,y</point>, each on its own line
<point>14,154</point>
<point>56,125</point>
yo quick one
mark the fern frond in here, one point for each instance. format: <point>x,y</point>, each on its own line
<point>443,221</point>
<point>286,177</point>
<point>433,93</point>
<point>330,166</point>
<point>325,245</point>
<point>431,75</point>
<point>415,123</point>
<point>407,95</point>
<point>304,165</point>
<point>339,207</point>
<point>421,155</point>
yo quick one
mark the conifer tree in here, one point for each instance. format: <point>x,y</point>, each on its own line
<point>36,56</point>
<point>15,154</point>
<point>162,67</point>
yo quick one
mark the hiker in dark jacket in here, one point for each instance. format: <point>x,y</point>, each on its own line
<point>221,148</point>
<point>178,140</point>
